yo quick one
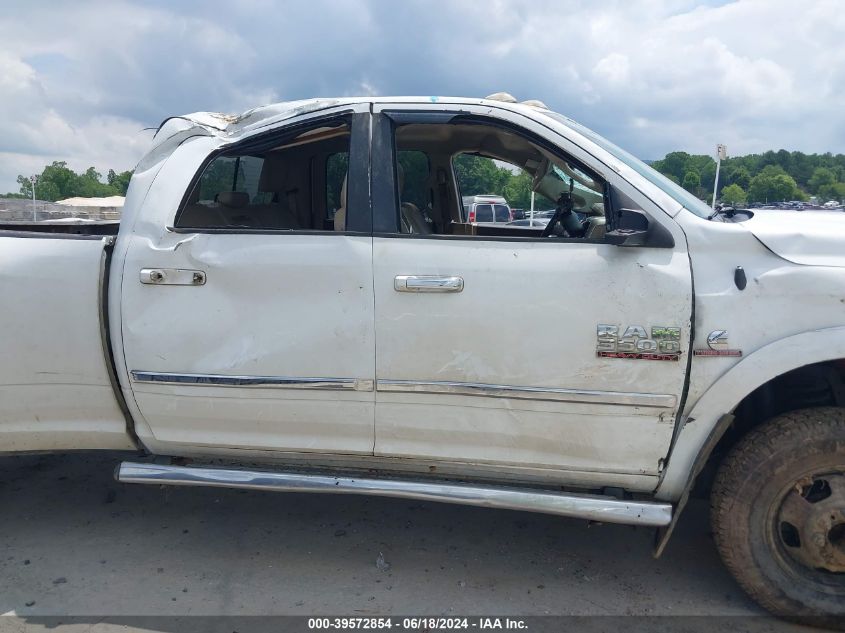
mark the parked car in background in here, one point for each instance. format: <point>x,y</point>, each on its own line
<point>486,209</point>
<point>528,223</point>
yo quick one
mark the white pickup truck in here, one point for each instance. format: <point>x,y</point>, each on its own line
<point>275,313</point>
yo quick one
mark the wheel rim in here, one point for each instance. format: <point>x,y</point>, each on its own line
<point>809,527</point>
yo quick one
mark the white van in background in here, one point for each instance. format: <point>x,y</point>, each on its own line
<point>486,209</point>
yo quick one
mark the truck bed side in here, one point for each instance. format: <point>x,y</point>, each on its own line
<point>55,382</point>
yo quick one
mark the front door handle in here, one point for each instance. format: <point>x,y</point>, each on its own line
<point>428,283</point>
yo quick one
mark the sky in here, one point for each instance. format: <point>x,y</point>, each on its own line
<point>80,81</point>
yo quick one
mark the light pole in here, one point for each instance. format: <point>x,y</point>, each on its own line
<point>33,180</point>
<point>721,154</point>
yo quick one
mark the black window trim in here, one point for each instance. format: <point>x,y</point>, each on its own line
<point>385,195</point>
<point>358,185</point>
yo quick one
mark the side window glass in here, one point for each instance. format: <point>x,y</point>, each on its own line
<point>506,187</point>
<point>470,178</point>
<point>414,170</point>
<point>337,166</point>
<point>414,192</point>
<point>248,181</point>
<point>273,188</point>
<point>240,174</point>
<point>217,177</point>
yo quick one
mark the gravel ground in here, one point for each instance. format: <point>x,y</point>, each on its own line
<point>76,543</point>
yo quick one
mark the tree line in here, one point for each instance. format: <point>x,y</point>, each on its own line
<point>768,177</point>
<point>58,181</point>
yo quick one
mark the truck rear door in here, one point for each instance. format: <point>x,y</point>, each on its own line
<point>247,322</point>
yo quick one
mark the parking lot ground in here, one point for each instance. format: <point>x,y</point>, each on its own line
<point>76,543</point>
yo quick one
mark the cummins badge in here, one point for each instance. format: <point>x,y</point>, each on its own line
<point>717,344</point>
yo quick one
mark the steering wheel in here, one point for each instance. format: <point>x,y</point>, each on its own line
<point>563,213</point>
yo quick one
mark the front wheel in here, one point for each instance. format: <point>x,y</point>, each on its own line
<point>778,514</point>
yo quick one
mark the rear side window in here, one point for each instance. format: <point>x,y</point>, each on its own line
<point>291,182</point>
<point>484,213</point>
<point>231,173</point>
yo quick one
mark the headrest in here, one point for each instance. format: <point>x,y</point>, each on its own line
<point>343,192</point>
<point>597,209</point>
<point>234,199</point>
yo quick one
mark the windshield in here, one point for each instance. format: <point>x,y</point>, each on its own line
<point>680,194</point>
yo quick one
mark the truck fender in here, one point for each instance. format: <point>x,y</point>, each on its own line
<point>711,416</point>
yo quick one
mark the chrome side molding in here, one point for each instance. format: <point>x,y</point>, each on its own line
<point>660,401</point>
<point>219,380</point>
<point>583,396</point>
<point>590,507</point>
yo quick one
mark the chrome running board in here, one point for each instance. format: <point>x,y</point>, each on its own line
<point>591,507</point>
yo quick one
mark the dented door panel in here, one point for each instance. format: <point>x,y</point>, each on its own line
<point>519,347</point>
<point>294,308</point>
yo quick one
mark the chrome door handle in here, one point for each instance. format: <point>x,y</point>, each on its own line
<point>427,283</point>
<point>172,277</point>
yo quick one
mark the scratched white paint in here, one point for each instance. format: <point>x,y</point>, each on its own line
<point>54,386</point>
<point>324,306</point>
<point>528,321</point>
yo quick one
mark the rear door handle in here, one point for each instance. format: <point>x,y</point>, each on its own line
<point>172,277</point>
<point>427,283</point>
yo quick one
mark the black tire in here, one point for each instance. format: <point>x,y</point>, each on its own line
<point>775,473</point>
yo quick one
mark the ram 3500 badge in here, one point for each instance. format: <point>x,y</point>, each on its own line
<point>634,342</point>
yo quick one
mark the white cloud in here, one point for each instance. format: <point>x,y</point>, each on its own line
<point>35,132</point>
<point>80,81</point>
<point>614,69</point>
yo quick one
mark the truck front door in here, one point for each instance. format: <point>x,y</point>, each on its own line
<point>501,350</point>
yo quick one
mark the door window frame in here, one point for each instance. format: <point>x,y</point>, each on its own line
<point>384,178</point>
<point>359,216</point>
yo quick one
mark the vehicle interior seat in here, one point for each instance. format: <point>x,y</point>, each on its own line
<point>412,219</point>
<point>233,206</point>
<point>282,211</point>
<point>200,216</point>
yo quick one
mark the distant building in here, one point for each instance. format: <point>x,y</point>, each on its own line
<point>111,202</point>
<point>21,209</point>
